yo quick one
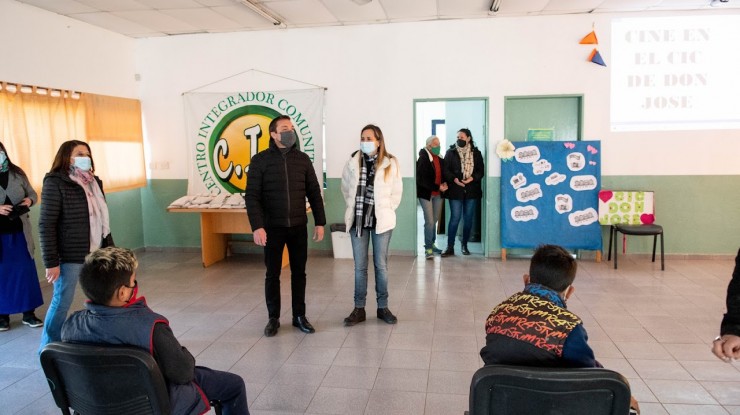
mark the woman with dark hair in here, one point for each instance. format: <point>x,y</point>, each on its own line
<point>73,223</point>
<point>463,172</point>
<point>372,189</point>
<point>19,284</point>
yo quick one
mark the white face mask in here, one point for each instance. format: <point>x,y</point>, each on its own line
<point>368,147</point>
<point>3,157</point>
<point>83,163</point>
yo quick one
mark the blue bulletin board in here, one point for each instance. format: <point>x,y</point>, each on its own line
<point>549,195</point>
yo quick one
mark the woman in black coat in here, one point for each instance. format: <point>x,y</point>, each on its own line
<point>463,172</point>
<point>73,223</point>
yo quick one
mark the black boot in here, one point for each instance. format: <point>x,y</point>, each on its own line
<point>450,251</point>
<point>465,249</point>
<point>356,316</point>
<point>272,327</point>
<point>386,315</point>
<point>303,325</point>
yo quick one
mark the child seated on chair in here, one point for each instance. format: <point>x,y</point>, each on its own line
<point>114,315</point>
<point>533,327</point>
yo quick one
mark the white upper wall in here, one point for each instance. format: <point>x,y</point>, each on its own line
<point>373,73</point>
<point>46,49</point>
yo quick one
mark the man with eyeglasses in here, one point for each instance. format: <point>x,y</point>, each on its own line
<point>115,315</point>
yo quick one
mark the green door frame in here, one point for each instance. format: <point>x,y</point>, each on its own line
<point>484,209</point>
<point>580,108</point>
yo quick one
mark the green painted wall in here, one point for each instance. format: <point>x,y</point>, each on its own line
<point>699,214</point>
<point>164,229</point>
<point>126,218</point>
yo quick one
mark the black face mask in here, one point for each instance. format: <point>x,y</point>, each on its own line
<point>461,143</point>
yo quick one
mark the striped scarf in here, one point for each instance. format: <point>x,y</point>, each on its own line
<point>365,198</point>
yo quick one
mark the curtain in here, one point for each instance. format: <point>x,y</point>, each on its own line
<point>113,128</point>
<point>34,125</point>
<point>34,122</point>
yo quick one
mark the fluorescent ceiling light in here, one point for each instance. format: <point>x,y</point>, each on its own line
<point>362,2</point>
<point>495,5</point>
<point>263,12</point>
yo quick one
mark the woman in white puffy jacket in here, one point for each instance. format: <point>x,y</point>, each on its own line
<point>372,189</point>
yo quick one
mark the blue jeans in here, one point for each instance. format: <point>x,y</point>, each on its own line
<point>465,209</point>
<point>360,246</point>
<point>61,301</point>
<point>431,209</point>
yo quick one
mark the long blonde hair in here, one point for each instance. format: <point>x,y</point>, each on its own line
<point>382,152</point>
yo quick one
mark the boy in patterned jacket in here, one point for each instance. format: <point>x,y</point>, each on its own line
<point>533,327</point>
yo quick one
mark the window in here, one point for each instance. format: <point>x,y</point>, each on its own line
<point>35,121</point>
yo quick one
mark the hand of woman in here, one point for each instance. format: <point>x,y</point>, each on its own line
<point>52,274</point>
<point>459,183</point>
<point>5,209</point>
<point>26,201</point>
<point>443,187</point>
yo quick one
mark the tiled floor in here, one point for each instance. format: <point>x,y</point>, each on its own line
<point>654,327</point>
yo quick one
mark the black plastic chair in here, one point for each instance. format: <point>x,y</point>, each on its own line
<point>105,380</point>
<point>640,230</point>
<point>521,390</point>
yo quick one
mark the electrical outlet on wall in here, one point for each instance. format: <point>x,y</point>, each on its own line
<point>159,165</point>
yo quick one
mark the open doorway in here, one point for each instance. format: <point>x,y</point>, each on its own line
<point>443,118</point>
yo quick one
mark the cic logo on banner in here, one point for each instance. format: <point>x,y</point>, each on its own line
<point>236,129</point>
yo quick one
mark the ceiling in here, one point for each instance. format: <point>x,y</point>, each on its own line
<point>150,18</point>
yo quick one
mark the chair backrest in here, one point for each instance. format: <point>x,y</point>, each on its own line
<point>104,380</point>
<point>520,390</point>
<point>626,207</point>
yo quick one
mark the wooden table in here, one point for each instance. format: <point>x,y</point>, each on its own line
<point>215,226</point>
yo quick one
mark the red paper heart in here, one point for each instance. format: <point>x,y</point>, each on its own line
<point>647,218</point>
<point>605,195</point>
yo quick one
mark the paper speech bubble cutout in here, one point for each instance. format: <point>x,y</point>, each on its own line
<point>528,154</point>
<point>518,180</point>
<point>529,193</point>
<point>555,178</point>
<point>563,203</point>
<point>581,183</point>
<point>541,166</point>
<point>575,161</point>
<point>524,213</point>
<point>583,217</point>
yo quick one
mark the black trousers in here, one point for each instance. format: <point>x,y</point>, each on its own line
<point>296,238</point>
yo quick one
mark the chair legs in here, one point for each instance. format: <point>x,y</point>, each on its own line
<point>613,233</point>
<point>662,261</point>
<point>616,247</point>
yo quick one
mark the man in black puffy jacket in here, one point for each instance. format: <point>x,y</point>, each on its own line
<point>278,182</point>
